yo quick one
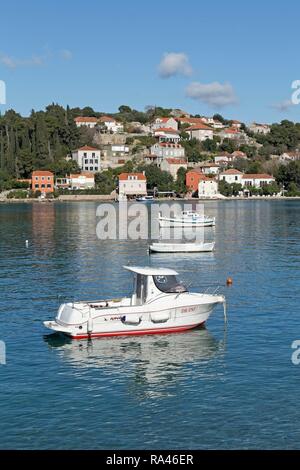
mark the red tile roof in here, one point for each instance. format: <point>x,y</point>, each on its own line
<point>124,176</point>
<point>203,177</point>
<point>170,145</point>
<point>231,171</point>
<point>85,119</point>
<point>176,161</point>
<point>166,130</point>
<point>229,130</point>
<point>199,127</point>
<point>238,153</point>
<point>41,173</point>
<point>107,119</point>
<point>164,119</point>
<point>87,174</point>
<point>195,170</point>
<point>257,176</point>
<point>87,147</point>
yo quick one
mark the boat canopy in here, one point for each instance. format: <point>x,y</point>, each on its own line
<point>151,271</point>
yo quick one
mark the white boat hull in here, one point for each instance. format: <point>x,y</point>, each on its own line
<point>174,222</point>
<point>88,320</point>
<point>181,247</point>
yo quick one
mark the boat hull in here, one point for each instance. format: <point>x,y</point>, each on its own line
<point>166,222</point>
<point>181,247</point>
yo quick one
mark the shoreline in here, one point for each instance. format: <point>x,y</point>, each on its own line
<point>105,198</point>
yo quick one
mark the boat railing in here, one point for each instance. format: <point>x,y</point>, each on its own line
<point>214,290</point>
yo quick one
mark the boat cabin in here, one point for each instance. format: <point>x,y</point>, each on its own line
<point>149,283</point>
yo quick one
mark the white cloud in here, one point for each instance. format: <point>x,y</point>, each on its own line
<point>174,63</point>
<point>66,54</point>
<point>214,94</point>
<point>13,63</point>
<point>284,105</point>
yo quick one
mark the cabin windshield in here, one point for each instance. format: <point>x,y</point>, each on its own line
<point>169,284</point>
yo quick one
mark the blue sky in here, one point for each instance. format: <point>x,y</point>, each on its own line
<point>104,54</point>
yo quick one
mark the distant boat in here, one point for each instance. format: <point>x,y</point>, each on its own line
<point>187,219</point>
<point>144,198</point>
<point>181,247</point>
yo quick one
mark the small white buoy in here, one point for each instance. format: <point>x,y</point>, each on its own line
<point>27,243</point>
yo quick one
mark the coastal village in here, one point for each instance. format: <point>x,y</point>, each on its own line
<point>170,155</point>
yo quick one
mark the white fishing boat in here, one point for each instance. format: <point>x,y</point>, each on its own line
<point>181,247</point>
<point>159,304</point>
<point>144,198</point>
<point>186,219</point>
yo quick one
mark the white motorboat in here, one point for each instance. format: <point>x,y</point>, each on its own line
<point>181,247</point>
<point>144,198</point>
<point>187,219</point>
<point>159,304</point>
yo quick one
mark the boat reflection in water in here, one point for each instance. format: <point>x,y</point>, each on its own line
<point>151,364</point>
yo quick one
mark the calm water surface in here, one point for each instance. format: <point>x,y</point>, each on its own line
<point>203,389</point>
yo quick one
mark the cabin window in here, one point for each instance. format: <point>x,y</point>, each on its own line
<point>141,289</point>
<point>169,284</point>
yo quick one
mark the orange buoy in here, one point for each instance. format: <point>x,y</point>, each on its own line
<point>229,281</point>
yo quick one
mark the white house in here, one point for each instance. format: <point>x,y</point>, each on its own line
<point>132,184</point>
<point>167,149</point>
<point>290,156</point>
<point>84,180</point>
<point>230,133</point>
<point>168,122</point>
<point>207,187</point>
<point>259,128</point>
<point>200,132</point>
<point>217,124</point>
<point>111,124</point>
<point>236,124</point>
<point>238,154</point>
<point>86,121</point>
<point>257,180</point>
<point>190,121</point>
<point>172,165</point>
<point>210,168</point>
<point>231,176</point>
<point>87,158</point>
<point>207,120</point>
<point>167,134</point>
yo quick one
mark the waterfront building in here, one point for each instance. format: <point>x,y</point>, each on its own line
<point>42,181</point>
<point>132,184</point>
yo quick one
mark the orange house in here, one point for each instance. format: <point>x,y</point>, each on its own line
<point>42,181</point>
<point>192,179</point>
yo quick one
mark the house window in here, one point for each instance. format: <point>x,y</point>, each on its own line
<point>96,161</point>
<point>43,186</point>
<point>91,168</point>
<point>36,178</point>
<point>43,178</point>
<point>96,168</point>
<point>86,167</point>
<point>93,154</point>
<point>85,154</point>
<point>48,178</point>
<point>236,178</point>
<point>86,161</point>
<point>48,185</point>
<point>91,161</point>
<point>36,185</point>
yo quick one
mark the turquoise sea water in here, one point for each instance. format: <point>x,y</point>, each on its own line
<point>204,389</point>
